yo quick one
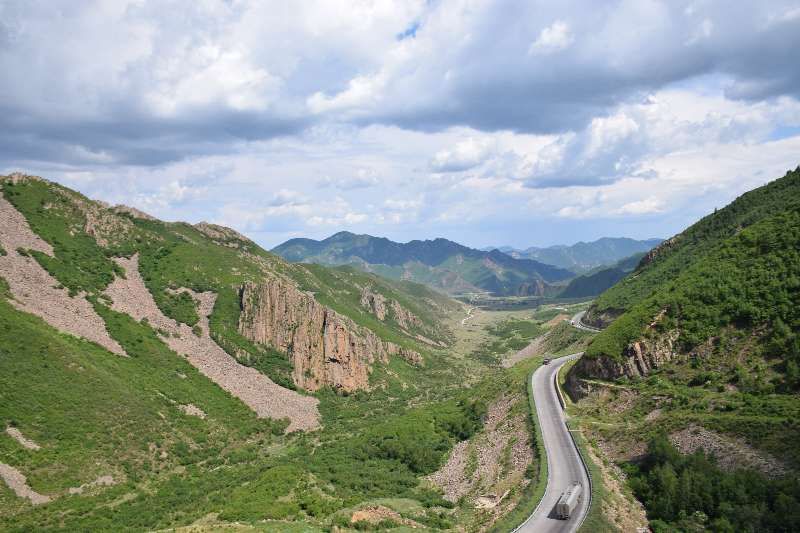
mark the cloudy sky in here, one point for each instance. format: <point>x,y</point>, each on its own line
<point>487,122</point>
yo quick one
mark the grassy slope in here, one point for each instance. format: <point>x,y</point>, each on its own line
<point>693,244</point>
<point>95,413</point>
<point>729,286</point>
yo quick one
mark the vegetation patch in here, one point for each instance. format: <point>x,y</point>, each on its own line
<point>691,493</point>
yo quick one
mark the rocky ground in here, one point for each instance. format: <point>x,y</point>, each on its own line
<point>731,453</point>
<point>35,291</point>
<point>19,484</point>
<point>130,295</point>
<point>17,435</point>
<point>483,468</point>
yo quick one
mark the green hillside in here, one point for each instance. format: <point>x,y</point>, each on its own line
<point>438,263</point>
<point>668,260</point>
<point>706,349</point>
<point>600,279</point>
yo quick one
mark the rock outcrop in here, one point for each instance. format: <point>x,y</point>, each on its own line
<point>638,359</point>
<point>326,347</point>
<point>266,398</point>
<point>382,307</point>
<point>658,251</point>
<point>374,302</point>
<point>222,235</point>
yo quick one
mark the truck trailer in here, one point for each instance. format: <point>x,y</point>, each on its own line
<point>568,501</point>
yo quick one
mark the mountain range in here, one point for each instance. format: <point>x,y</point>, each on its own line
<point>582,257</point>
<point>439,263</point>
<point>158,375</point>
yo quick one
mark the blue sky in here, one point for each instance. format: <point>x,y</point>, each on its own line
<point>487,122</point>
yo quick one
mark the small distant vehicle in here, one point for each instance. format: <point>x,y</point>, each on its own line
<point>568,501</point>
<point>546,361</point>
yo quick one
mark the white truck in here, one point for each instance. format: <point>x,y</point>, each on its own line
<point>568,501</point>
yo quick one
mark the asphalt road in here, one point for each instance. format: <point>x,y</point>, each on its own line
<point>564,464</point>
<point>577,322</point>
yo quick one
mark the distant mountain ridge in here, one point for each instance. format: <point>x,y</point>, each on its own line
<point>599,280</point>
<point>582,257</point>
<point>440,263</point>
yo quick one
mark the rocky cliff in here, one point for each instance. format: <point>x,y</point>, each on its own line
<point>382,307</point>
<point>326,347</point>
<point>638,359</point>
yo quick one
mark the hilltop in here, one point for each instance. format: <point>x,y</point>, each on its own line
<point>439,263</point>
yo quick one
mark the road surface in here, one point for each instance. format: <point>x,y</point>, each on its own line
<point>577,321</point>
<point>564,465</point>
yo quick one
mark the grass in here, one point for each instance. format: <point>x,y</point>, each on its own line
<point>507,336</point>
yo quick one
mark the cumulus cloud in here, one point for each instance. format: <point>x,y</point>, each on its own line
<point>466,154</point>
<point>402,115</point>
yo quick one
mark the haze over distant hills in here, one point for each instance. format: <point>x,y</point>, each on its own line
<point>582,257</point>
<point>439,263</point>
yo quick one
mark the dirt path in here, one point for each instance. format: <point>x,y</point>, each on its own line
<point>35,291</point>
<point>253,388</point>
<point>19,484</point>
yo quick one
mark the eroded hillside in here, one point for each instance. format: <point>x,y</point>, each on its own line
<point>155,375</point>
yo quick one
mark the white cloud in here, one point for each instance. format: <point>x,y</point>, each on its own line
<point>465,155</point>
<point>552,39</point>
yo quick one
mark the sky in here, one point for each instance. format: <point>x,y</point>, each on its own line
<point>488,122</point>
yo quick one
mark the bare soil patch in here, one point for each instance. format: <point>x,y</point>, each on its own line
<point>19,484</point>
<point>489,463</point>
<point>536,347</point>
<point>377,513</point>
<point>192,410</point>
<point>556,320</point>
<point>619,506</point>
<point>102,481</point>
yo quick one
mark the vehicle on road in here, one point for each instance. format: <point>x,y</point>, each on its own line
<point>546,361</point>
<point>568,501</point>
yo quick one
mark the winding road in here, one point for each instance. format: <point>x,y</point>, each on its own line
<point>577,321</point>
<point>564,464</point>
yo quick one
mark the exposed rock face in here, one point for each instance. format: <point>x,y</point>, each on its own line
<point>326,348</point>
<point>381,307</point>
<point>374,302</point>
<point>532,288</point>
<point>266,398</point>
<point>221,235</point>
<point>659,250</point>
<point>639,358</point>
<point>600,320</point>
<point>133,212</point>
